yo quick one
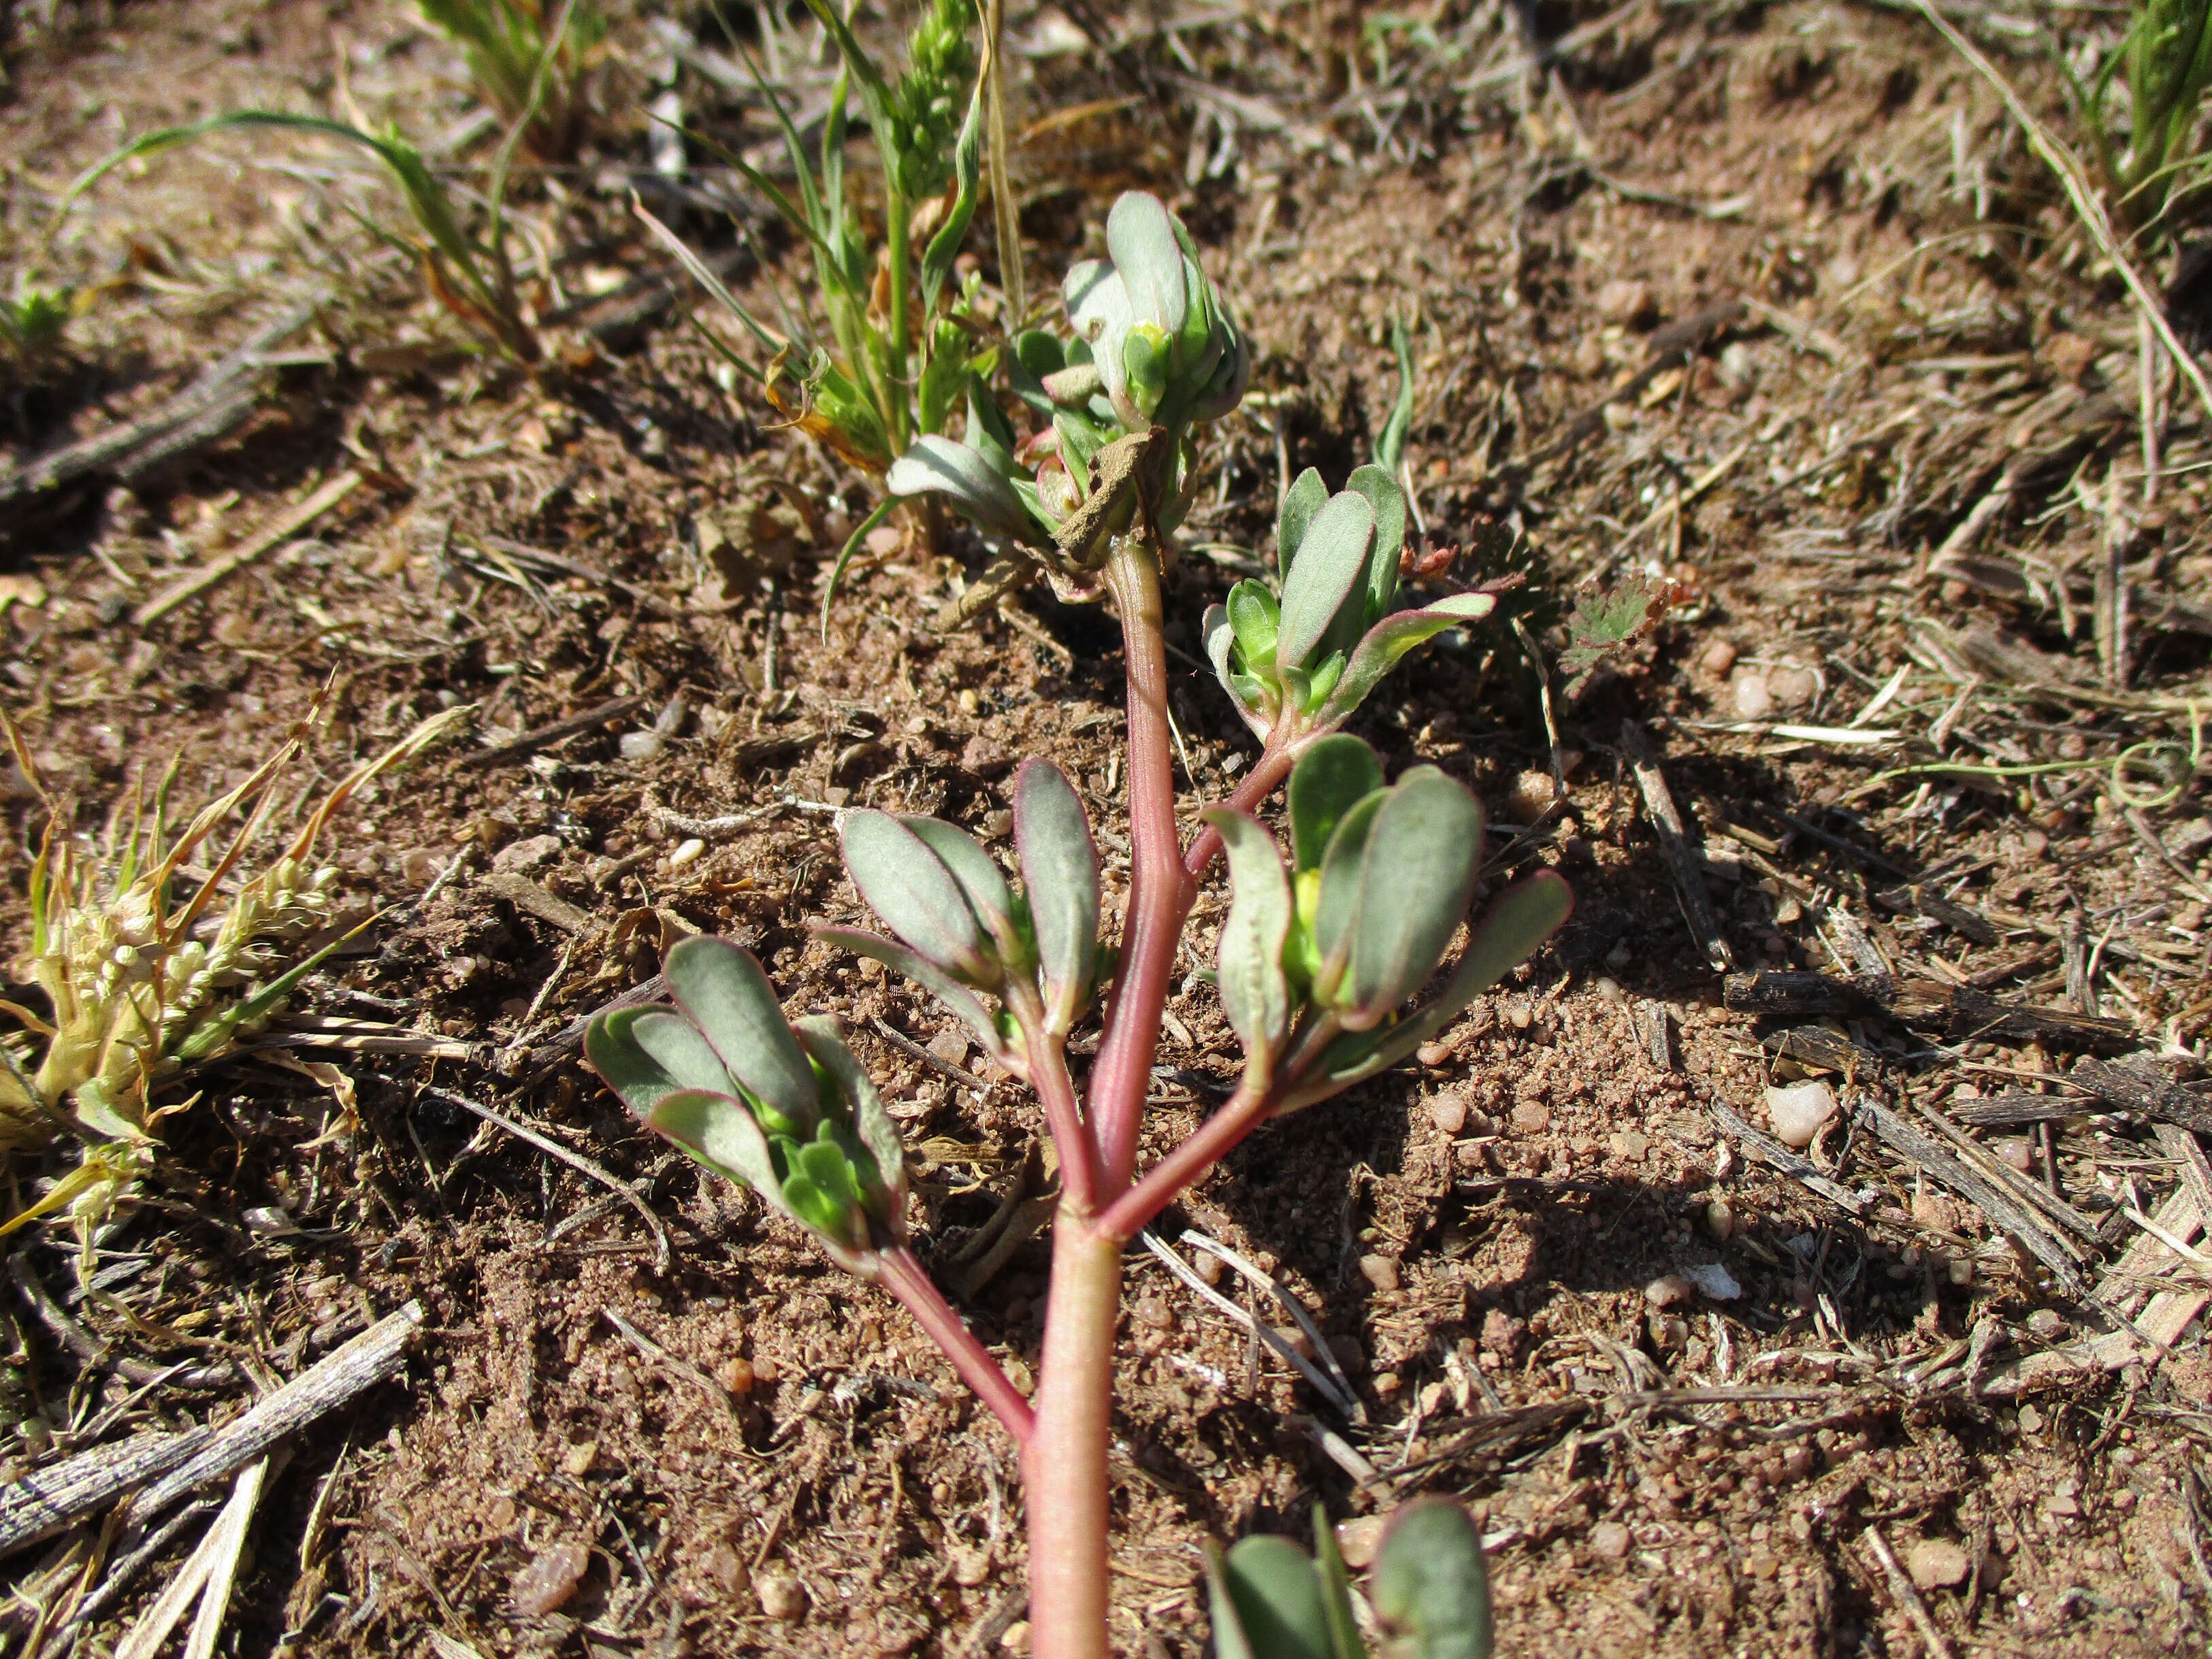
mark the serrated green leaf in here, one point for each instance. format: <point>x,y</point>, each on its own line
<point>1334,775</point>
<point>1331,557</point>
<point>722,991</point>
<point>1255,992</point>
<point>1417,876</point>
<point>1059,879</point>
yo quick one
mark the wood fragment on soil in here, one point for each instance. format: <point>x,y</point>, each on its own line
<point>231,561</point>
<point>368,1358</point>
<point>529,896</point>
<point>1667,819</point>
<point>47,1501</point>
<point>553,732</point>
<point>1773,1154</point>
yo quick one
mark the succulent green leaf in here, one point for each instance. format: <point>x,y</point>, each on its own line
<point>641,1080</point>
<point>1098,305</point>
<point>936,464</point>
<point>1059,878</point>
<point>1278,1597</point>
<point>1334,775</point>
<point>1255,992</point>
<point>1525,916</point>
<point>1230,1641</point>
<point>910,888</point>
<point>1332,556</point>
<point>723,991</point>
<point>987,432</point>
<point>1140,235</point>
<point>719,1132</point>
<point>1147,366</point>
<point>1388,641</point>
<point>958,998</point>
<point>980,879</point>
<point>1431,1583</point>
<point>1246,691</point>
<point>1301,502</point>
<point>678,1047</point>
<point>882,1187</point>
<point>1337,909</point>
<point>1255,618</point>
<point>1388,502</point>
<point>1417,876</point>
<point>1037,353</point>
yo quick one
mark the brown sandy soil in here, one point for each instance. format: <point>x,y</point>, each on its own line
<point>1884,485</point>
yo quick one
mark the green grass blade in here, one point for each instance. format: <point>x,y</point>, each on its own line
<point>845,557</point>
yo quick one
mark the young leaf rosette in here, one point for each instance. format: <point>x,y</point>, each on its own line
<point>1155,351</point>
<point>961,930</point>
<point>1430,1592</point>
<point>779,1106</point>
<point>1297,666</point>
<point>1317,959</point>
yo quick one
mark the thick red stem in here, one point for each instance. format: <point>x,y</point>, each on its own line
<point>1160,893</point>
<point>1182,1167</point>
<point>906,1279</point>
<point>1079,1147</point>
<point>1064,1465</point>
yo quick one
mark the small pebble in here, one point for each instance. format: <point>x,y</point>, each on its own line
<point>1714,1282</point>
<point>1627,302</point>
<point>1719,657</point>
<point>528,853</point>
<point>1793,688</point>
<point>1800,1111</point>
<point>971,1564</point>
<point>580,1457</point>
<point>1380,1271</point>
<point>1358,1541</point>
<point>1936,1564</point>
<point>550,1579</point>
<point>641,745</point>
<point>1434,1054</point>
<point>1720,1218</point>
<point>1531,797</point>
<point>728,1568</point>
<point>781,1596</point>
<point>736,1375</point>
<point>950,1045</point>
<point>1629,1145</point>
<point>1448,1113</point>
<point>687,852</point>
<point>1668,1290</point>
<point>1519,1015</point>
<point>1611,1540</point>
<point>2017,1150</point>
<point>1531,1117</point>
<point>1754,701</point>
<point>1016,1638</point>
<point>1153,1313</point>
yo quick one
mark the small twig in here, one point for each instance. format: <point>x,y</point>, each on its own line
<point>1667,819</point>
<point>669,1362</point>
<point>224,565</point>
<point>1268,1282</point>
<point>552,732</point>
<point>728,823</point>
<point>576,1161</point>
<point>1901,1589</point>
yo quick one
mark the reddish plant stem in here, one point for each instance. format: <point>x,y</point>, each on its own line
<point>1160,1186</point>
<point>1160,893</point>
<point>906,1279</point>
<point>1064,1464</point>
<point>1270,769</point>
<point>1079,1147</point>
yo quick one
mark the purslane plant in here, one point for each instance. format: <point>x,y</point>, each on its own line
<point>903,346</point>
<point>1322,959</point>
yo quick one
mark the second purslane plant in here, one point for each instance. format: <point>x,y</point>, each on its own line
<point>1328,958</point>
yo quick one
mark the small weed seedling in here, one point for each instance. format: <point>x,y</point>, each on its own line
<point>146,972</point>
<point>1321,960</point>
<point>525,72</point>
<point>2167,59</point>
<point>901,352</point>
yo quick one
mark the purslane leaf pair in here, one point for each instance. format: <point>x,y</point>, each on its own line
<point>960,927</point>
<point>779,1106</point>
<point>1315,960</point>
<point>1297,666</point>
